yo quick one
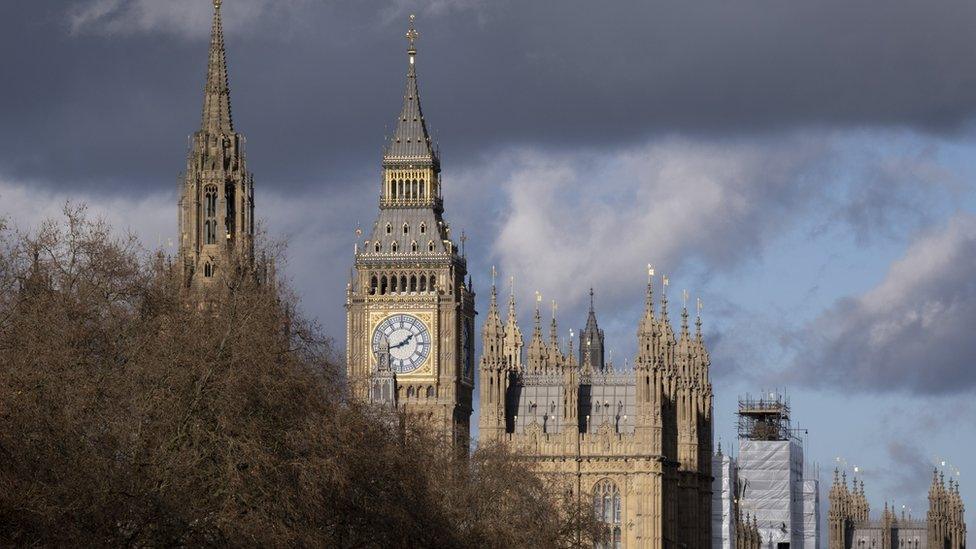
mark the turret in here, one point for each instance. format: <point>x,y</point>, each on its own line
<point>494,370</point>
<point>839,513</point>
<point>513,335</point>
<point>537,354</point>
<point>216,211</point>
<point>383,385</point>
<point>592,356</point>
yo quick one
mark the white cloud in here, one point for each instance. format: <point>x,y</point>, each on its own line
<point>575,220</point>
<point>911,332</point>
<point>152,218</point>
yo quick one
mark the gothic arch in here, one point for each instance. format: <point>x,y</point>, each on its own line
<point>608,507</point>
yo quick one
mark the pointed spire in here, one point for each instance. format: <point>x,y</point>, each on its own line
<point>493,303</point>
<point>664,298</point>
<point>511,302</point>
<point>537,329</point>
<point>411,141</point>
<point>698,322</point>
<point>216,103</point>
<point>684,315</point>
<point>554,330</point>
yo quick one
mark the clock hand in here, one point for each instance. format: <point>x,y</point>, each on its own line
<point>402,343</point>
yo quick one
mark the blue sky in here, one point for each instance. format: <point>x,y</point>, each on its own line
<point>806,170</point>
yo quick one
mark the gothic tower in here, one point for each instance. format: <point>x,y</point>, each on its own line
<point>216,213</point>
<point>409,284</point>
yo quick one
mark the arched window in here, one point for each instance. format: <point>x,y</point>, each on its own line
<point>376,246</point>
<point>393,285</point>
<point>413,283</point>
<point>389,229</point>
<point>210,224</point>
<point>208,270</point>
<point>423,228</point>
<point>406,228</point>
<point>383,285</point>
<point>423,190</point>
<point>410,392</point>
<point>430,246</point>
<point>373,283</point>
<point>423,283</point>
<point>403,283</point>
<point>393,247</point>
<point>607,507</point>
<point>413,246</point>
<point>430,392</point>
<point>413,188</point>
<point>433,283</point>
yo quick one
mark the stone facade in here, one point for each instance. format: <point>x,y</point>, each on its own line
<point>639,442</point>
<point>850,525</point>
<point>408,294</point>
<point>216,209</point>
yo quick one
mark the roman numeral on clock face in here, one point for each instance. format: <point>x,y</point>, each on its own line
<point>409,341</point>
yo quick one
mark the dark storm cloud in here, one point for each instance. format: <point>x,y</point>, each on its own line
<point>314,83</point>
<point>913,333</point>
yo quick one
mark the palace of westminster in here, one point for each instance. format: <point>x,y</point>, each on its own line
<point>638,442</point>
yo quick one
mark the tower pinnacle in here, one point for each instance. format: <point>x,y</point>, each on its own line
<point>411,145</point>
<point>216,103</point>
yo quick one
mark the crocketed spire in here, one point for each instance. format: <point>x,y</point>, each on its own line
<point>411,143</point>
<point>216,104</point>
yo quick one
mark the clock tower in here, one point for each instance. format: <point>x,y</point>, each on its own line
<point>410,310</point>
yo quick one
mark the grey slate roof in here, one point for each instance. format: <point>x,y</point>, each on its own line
<point>411,141</point>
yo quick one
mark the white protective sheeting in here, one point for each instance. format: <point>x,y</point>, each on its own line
<point>811,513</point>
<point>768,472</point>
<point>723,493</point>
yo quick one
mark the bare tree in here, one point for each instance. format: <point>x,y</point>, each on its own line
<point>131,415</point>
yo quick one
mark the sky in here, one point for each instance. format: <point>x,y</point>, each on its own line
<point>806,169</point>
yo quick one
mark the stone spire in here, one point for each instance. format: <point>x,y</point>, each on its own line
<point>513,335</point>
<point>554,331</point>
<point>216,103</point>
<point>217,201</point>
<point>537,348</point>
<point>411,143</point>
<point>493,331</point>
<point>591,342</point>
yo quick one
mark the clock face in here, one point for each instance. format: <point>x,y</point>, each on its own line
<point>409,342</point>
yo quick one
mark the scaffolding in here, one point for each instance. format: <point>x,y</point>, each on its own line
<point>776,490</point>
<point>765,418</point>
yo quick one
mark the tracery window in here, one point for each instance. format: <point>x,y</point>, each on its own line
<point>210,223</point>
<point>607,507</point>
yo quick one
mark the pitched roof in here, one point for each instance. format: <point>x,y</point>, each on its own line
<point>411,141</point>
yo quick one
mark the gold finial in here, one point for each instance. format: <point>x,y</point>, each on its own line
<point>700,306</point>
<point>684,297</point>
<point>494,273</point>
<point>217,4</point>
<point>412,36</point>
<point>650,272</point>
<point>554,307</point>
